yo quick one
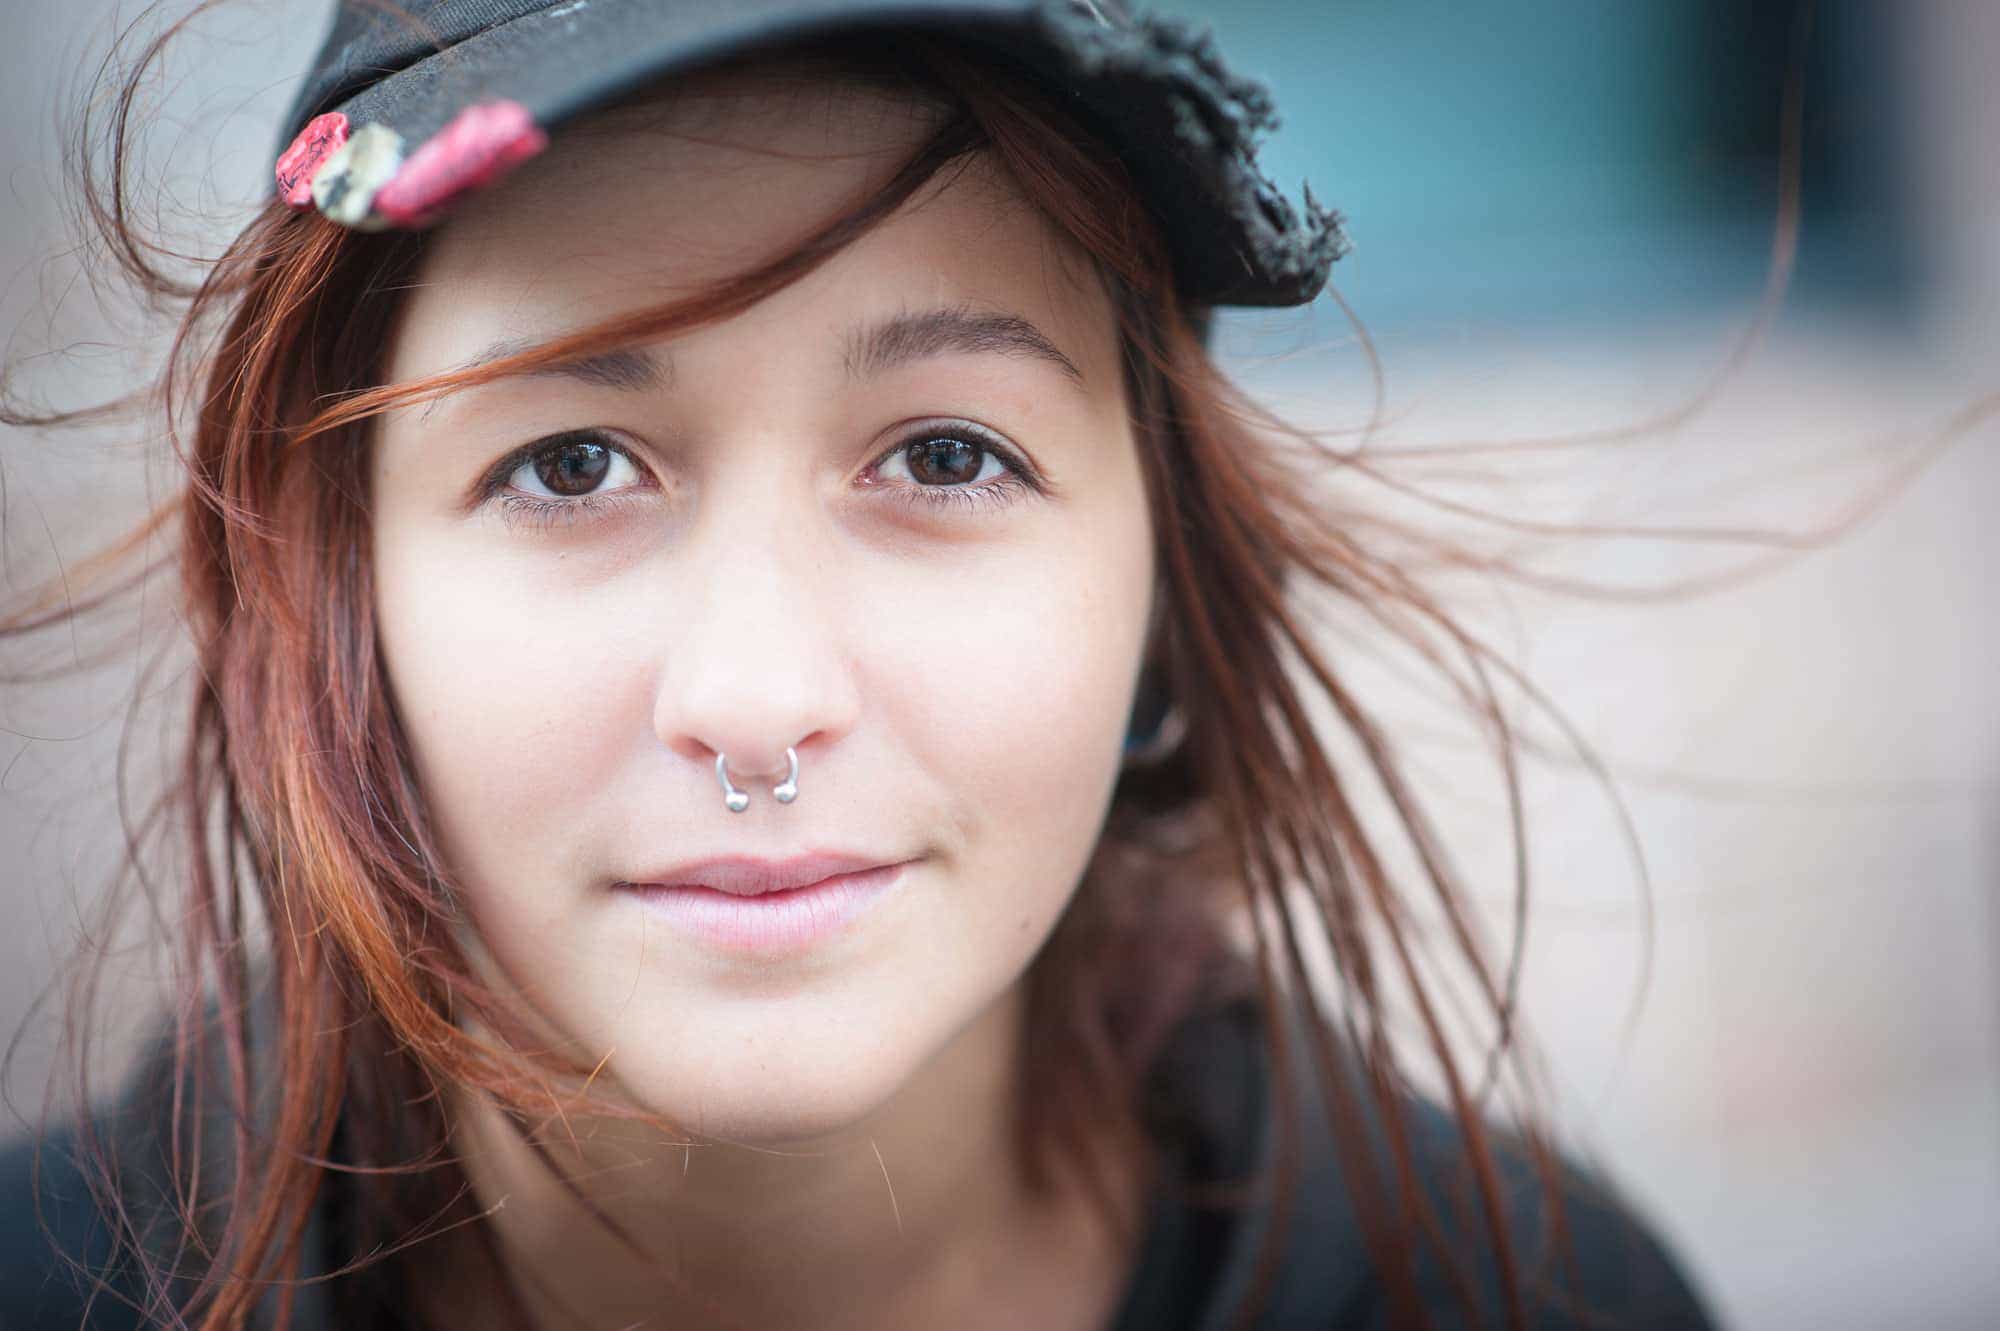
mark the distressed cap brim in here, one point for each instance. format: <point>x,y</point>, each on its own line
<point>405,112</point>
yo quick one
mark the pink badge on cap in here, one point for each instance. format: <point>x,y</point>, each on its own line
<point>481,144</point>
<point>321,137</point>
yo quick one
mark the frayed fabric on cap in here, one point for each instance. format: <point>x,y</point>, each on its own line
<point>409,107</point>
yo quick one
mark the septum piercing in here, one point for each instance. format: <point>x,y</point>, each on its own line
<point>784,792</point>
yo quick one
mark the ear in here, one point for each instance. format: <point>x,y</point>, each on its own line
<point>1201,320</point>
<point>1153,699</point>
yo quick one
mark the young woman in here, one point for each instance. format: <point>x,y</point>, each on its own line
<point>751,760</point>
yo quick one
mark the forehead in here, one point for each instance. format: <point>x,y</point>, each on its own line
<point>656,201</point>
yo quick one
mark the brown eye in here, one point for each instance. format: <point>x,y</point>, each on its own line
<point>955,466</point>
<point>943,461</point>
<point>572,477</point>
<point>572,468</point>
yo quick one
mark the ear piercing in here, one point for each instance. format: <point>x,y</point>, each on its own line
<point>784,792</point>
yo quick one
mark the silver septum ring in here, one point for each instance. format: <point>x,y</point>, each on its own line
<point>784,792</point>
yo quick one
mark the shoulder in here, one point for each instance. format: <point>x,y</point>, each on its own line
<point>51,1235</point>
<point>67,1193</point>
<point>62,1264</point>
<point>1584,1256</point>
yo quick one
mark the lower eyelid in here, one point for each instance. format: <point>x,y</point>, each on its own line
<point>518,509</point>
<point>1000,491</point>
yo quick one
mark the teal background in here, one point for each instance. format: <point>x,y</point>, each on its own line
<point>1571,159</point>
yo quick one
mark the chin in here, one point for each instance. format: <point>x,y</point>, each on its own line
<point>771,1097</point>
<point>796,1116</point>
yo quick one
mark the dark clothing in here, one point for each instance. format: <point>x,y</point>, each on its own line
<point>1211,1110</point>
<point>1197,1264</point>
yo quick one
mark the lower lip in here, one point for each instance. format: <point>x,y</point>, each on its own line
<point>771,922</point>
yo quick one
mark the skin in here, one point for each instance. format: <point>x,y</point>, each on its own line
<point>761,572</point>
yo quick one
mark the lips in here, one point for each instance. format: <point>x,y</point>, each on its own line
<point>749,876</point>
<point>767,909</point>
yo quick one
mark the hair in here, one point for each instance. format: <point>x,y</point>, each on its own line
<point>302,838</point>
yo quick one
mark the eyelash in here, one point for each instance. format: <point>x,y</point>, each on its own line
<point>544,513</point>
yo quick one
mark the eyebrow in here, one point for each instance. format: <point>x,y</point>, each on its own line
<point>907,338</point>
<point>869,351</point>
<point>626,368</point>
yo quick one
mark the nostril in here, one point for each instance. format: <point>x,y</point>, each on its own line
<point>784,791</point>
<point>782,768</point>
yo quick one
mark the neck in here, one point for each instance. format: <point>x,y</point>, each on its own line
<point>902,1219</point>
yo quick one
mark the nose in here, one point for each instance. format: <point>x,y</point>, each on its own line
<point>756,666</point>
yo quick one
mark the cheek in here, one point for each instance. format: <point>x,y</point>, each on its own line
<point>1032,700</point>
<point>1018,712</point>
<point>519,701</point>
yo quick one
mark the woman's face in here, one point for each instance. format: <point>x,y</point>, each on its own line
<point>891,517</point>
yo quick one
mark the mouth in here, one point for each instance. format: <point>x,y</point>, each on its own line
<point>750,876</point>
<point>767,907</point>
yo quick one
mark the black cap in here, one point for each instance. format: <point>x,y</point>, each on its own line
<point>410,105</point>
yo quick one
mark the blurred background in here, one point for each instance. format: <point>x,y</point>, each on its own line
<point>1785,1042</point>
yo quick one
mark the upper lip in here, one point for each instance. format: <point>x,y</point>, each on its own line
<point>749,876</point>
